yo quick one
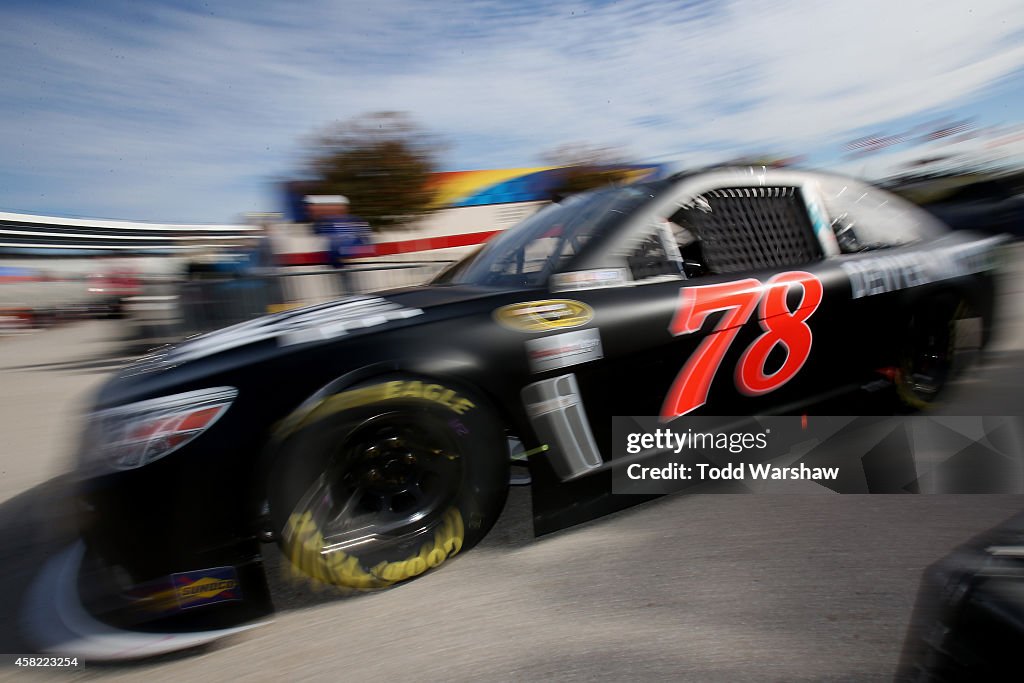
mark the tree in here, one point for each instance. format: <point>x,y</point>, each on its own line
<point>381,161</point>
<point>586,166</point>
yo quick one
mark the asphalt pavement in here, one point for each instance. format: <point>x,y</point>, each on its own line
<point>689,587</point>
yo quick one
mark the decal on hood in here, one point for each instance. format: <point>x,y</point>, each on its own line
<point>299,326</point>
<point>541,316</point>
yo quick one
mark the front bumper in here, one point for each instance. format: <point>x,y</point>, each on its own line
<point>57,622</point>
<point>171,545</point>
<point>162,556</point>
<point>191,595</point>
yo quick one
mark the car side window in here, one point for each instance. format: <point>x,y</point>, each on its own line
<point>865,218</point>
<point>738,229</point>
<point>691,252</point>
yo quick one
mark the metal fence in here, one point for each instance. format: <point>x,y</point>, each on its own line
<point>170,310</point>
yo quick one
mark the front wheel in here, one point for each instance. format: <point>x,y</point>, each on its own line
<point>381,482</point>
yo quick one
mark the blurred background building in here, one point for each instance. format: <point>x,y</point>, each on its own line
<point>170,280</point>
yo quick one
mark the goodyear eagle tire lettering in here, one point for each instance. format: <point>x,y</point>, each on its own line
<point>304,548</point>
<point>371,485</point>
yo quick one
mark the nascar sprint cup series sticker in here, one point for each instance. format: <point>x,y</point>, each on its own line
<point>563,350</point>
<point>540,316</point>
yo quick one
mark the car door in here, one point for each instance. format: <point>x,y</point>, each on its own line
<point>726,306</point>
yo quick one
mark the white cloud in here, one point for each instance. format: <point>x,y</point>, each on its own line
<point>163,113</point>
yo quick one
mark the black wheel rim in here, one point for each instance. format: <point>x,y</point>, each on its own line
<point>392,477</point>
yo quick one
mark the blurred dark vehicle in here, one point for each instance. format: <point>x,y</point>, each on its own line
<point>992,205</point>
<point>968,622</point>
<point>370,437</point>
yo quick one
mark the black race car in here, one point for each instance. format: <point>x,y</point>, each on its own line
<point>968,621</point>
<point>371,437</point>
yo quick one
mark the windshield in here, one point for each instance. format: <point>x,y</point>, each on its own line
<point>527,254</point>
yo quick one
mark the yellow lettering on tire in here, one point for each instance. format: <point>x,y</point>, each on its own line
<point>436,557</point>
<point>376,393</point>
<point>413,389</point>
<point>392,390</point>
<point>304,543</point>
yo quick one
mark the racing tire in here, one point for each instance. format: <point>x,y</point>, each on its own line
<point>931,355</point>
<point>380,482</point>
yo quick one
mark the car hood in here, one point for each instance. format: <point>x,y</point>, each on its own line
<point>310,324</point>
<point>296,330</point>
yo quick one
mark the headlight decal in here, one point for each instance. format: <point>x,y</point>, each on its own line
<point>128,437</point>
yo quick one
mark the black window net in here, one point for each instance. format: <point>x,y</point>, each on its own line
<point>747,228</point>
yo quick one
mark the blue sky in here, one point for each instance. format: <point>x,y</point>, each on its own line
<point>191,111</point>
